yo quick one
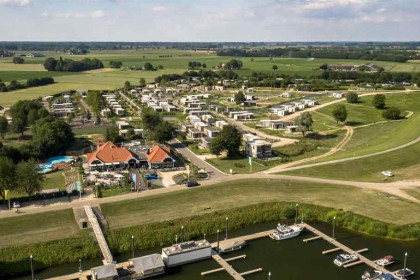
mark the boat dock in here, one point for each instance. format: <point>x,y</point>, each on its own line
<point>339,246</point>
<point>99,235</point>
<point>244,238</point>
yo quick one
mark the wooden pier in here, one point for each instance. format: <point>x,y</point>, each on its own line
<point>229,269</point>
<point>330,250</point>
<point>244,238</point>
<point>251,271</point>
<point>346,249</point>
<point>236,258</point>
<point>311,239</point>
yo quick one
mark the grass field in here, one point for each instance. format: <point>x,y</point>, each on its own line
<point>38,227</point>
<point>404,163</point>
<point>238,166</point>
<point>54,181</point>
<point>380,136</point>
<point>176,63</point>
<point>240,193</point>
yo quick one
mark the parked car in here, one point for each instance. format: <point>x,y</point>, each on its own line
<point>387,173</point>
<point>151,176</point>
<point>191,184</point>
<point>16,204</point>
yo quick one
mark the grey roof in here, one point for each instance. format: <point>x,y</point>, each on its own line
<point>105,271</point>
<point>147,262</point>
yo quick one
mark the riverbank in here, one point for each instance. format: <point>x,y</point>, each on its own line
<point>14,260</point>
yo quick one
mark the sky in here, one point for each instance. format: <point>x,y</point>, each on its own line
<point>209,20</point>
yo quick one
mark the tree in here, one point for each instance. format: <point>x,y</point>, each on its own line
<point>160,66</point>
<point>50,64</point>
<point>275,67</point>
<point>112,133</point>
<point>304,123</point>
<point>324,66</point>
<point>18,60</point>
<point>142,82</point>
<point>150,119</point>
<point>127,85</point>
<point>115,64</point>
<point>392,113</point>
<point>32,116</point>
<point>228,140</point>
<point>340,113</point>
<point>164,132</point>
<point>378,101</point>
<point>234,64</point>
<point>51,136</point>
<point>18,125</point>
<point>7,175</point>
<point>352,97</point>
<point>239,97</point>
<point>4,126</point>
<point>27,177</point>
<point>148,66</point>
<point>96,102</point>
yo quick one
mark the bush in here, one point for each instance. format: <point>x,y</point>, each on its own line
<point>392,113</point>
<point>378,101</point>
<point>352,97</point>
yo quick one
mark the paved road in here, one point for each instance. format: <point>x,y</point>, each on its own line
<point>181,148</point>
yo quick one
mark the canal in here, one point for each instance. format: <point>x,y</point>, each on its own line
<point>288,259</point>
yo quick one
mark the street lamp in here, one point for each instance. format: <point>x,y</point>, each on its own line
<point>132,246</point>
<point>227,227</point>
<point>333,228</point>
<point>182,233</point>
<point>269,276</point>
<point>405,263</point>
<point>218,242</point>
<point>32,267</point>
<point>80,267</point>
<point>204,236</point>
<point>296,215</point>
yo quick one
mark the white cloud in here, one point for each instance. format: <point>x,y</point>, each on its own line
<point>45,14</point>
<point>97,14</point>
<point>326,4</point>
<point>15,2</point>
<point>159,8</point>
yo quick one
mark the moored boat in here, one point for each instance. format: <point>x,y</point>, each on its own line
<point>344,259</point>
<point>387,260</point>
<point>404,272</point>
<point>371,274</point>
<point>285,232</point>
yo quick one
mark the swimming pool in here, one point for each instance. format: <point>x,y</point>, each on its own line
<point>48,166</point>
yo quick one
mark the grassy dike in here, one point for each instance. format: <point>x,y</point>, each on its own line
<point>14,260</point>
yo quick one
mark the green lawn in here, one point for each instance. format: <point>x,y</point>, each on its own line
<point>39,227</point>
<point>240,165</point>
<point>54,181</point>
<point>23,76</point>
<point>88,131</point>
<point>404,163</point>
<point>380,136</point>
<point>223,196</point>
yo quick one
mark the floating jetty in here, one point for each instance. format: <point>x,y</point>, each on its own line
<point>225,266</point>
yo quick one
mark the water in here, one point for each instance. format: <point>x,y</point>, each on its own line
<point>48,166</point>
<point>288,259</point>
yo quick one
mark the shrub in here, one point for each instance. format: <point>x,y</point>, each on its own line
<point>352,97</point>
<point>392,113</point>
<point>378,101</point>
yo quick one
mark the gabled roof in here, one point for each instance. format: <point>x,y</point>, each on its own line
<point>105,271</point>
<point>158,153</point>
<point>147,263</point>
<point>108,153</point>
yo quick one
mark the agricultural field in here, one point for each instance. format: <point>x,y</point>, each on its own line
<point>173,61</point>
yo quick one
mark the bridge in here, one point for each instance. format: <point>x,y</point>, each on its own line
<point>99,235</point>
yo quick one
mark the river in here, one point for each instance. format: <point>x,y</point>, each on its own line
<point>288,259</point>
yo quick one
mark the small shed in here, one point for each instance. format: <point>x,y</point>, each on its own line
<point>147,266</point>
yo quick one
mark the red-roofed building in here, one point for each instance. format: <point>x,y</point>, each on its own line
<point>109,156</point>
<point>160,157</point>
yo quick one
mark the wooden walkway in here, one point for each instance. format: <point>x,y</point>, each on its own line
<point>347,249</point>
<point>99,235</point>
<point>244,238</point>
<point>227,266</point>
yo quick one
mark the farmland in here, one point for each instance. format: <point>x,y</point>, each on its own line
<point>173,61</point>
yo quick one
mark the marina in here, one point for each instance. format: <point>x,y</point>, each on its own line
<point>264,253</point>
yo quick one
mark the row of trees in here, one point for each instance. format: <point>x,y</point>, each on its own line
<point>362,77</point>
<point>35,82</point>
<point>332,53</point>
<point>22,176</point>
<point>69,65</point>
<point>196,64</point>
<point>201,74</point>
<point>115,64</point>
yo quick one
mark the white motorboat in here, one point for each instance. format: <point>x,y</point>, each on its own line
<point>285,232</point>
<point>344,259</point>
<point>371,274</point>
<point>387,260</point>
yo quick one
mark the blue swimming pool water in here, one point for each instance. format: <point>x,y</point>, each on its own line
<point>48,166</point>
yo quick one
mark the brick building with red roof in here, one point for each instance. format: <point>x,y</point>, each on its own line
<point>108,157</point>
<point>160,157</point>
